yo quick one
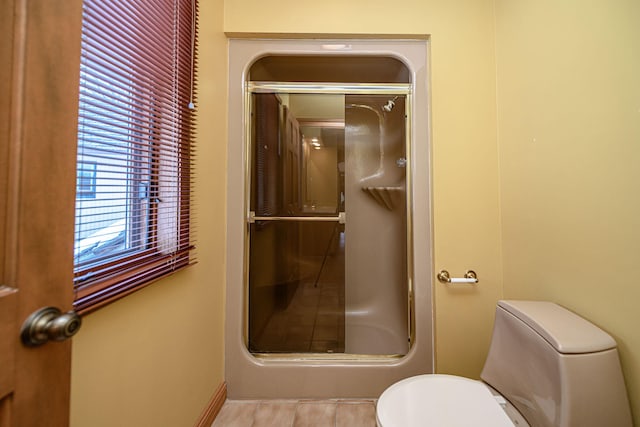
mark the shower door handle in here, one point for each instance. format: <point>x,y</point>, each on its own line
<point>341,218</point>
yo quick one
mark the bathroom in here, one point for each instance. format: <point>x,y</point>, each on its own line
<point>530,161</point>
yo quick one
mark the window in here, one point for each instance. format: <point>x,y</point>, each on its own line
<point>135,146</point>
<point>86,181</point>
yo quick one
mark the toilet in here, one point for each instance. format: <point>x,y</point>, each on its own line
<point>546,367</point>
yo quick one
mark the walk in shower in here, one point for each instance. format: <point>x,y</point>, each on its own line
<point>323,147</point>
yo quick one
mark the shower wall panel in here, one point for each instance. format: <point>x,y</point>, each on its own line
<point>376,262</point>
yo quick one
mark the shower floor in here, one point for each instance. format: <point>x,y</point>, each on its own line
<point>314,319</point>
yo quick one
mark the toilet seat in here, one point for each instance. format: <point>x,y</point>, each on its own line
<point>439,400</point>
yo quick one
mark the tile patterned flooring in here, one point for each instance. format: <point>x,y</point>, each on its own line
<point>297,413</point>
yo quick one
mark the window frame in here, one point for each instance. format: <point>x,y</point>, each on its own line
<point>160,155</point>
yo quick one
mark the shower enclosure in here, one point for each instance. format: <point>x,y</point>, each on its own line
<point>326,287</point>
<point>327,221</point>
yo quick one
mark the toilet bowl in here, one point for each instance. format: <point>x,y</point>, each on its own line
<point>546,367</point>
<point>444,400</point>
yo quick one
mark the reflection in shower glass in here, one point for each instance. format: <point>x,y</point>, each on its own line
<point>327,235</point>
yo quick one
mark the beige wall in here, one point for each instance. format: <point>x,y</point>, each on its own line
<point>465,171</point>
<point>569,126</point>
<point>155,358</point>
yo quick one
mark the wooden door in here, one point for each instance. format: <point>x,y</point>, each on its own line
<point>291,174</point>
<point>290,240</point>
<point>39,69</point>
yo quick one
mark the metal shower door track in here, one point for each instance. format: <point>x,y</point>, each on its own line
<point>330,88</point>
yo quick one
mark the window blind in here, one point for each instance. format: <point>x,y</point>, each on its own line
<point>134,216</point>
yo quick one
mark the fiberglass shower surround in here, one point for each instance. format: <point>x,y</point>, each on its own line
<point>324,297</point>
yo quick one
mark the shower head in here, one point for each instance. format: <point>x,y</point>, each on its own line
<point>389,105</point>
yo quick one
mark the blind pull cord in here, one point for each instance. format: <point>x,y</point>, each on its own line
<point>193,42</point>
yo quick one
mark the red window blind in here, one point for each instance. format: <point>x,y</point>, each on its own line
<point>134,216</point>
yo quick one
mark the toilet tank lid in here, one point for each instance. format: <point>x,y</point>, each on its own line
<point>566,331</point>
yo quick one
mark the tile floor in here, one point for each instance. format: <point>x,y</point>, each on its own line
<point>297,413</point>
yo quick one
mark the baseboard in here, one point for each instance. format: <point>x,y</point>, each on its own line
<point>213,408</point>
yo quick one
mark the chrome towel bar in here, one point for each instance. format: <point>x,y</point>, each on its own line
<point>341,218</point>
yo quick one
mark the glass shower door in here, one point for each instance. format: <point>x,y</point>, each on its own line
<point>327,269</point>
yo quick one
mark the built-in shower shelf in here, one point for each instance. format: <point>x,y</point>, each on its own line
<point>387,197</point>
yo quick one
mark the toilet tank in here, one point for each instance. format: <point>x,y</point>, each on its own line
<point>556,368</point>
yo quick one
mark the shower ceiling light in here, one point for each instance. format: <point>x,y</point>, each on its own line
<point>336,46</point>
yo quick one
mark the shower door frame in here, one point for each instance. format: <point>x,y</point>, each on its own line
<point>251,377</point>
<point>345,89</point>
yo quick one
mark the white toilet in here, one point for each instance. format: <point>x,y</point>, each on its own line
<point>546,367</point>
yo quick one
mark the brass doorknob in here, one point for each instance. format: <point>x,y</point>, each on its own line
<point>49,324</point>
